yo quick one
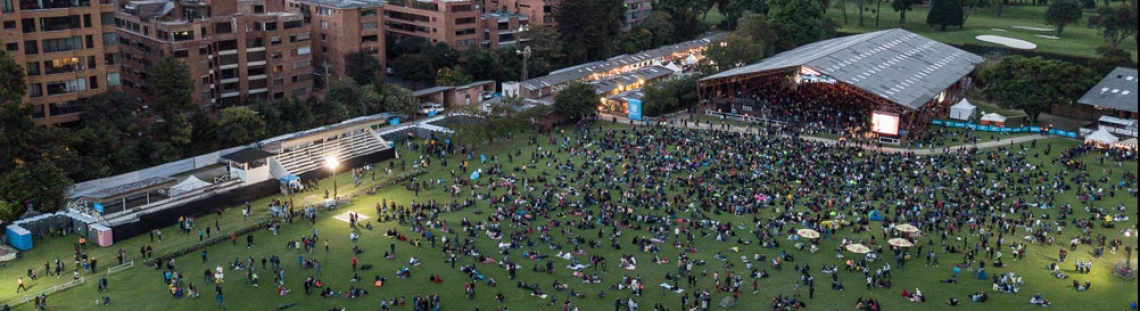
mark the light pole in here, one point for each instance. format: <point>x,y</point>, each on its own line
<point>525,52</point>
<point>332,164</point>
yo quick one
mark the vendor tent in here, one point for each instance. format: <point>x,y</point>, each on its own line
<point>963,110</point>
<point>676,69</point>
<point>187,185</point>
<point>993,119</point>
<point>691,60</point>
<point>1101,136</point>
<point>728,302</point>
<point>1127,144</point>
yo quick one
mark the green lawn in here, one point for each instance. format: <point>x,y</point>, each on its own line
<point>141,288</point>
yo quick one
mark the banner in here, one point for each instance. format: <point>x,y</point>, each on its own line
<point>635,109</point>
<point>97,206</point>
<point>394,121</point>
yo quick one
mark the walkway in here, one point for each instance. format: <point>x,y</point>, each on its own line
<point>917,151</point>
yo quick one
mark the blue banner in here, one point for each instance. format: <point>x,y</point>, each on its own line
<point>635,109</point>
<point>394,121</point>
<point>97,206</point>
<point>991,128</point>
<point>431,112</point>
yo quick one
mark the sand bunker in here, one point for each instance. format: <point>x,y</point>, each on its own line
<point>1051,37</point>
<point>1034,28</point>
<point>1007,41</point>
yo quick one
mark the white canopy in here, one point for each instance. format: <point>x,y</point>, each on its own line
<point>1128,144</point>
<point>691,60</point>
<point>671,66</point>
<point>189,184</point>
<point>1102,136</point>
<point>962,111</point>
<point>993,117</point>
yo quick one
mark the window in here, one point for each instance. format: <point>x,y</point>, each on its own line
<point>324,37</point>
<point>278,68</point>
<point>304,63</point>
<point>370,25</point>
<point>64,87</point>
<point>294,24</point>
<point>109,59</point>
<point>107,18</point>
<point>6,6</point>
<point>185,35</point>
<point>63,65</point>
<point>28,24</point>
<point>110,38</point>
<point>302,51</point>
<point>34,90</point>
<point>324,24</point>
<point>91,62</point>
<point>87,20</point>
<point>254,42</point>
<point>274,40</point>
<point>304,36</point>
<point>30,47</point>
<point>367,13</point>
<point>372,38</point>
<point>276,54</point>
<point>465,20</point>
<point>12,47</point>
<point>33,68</point>
<point>223,27</point>
<point>278,95</point>
<point>93,81</point>
<point>255,56</point>
<point>60,45</point>
<point>181,53</point>
<point>9,24</point>
<point>463,32</point>
<point>271,26</point>
<point>227,45</point>
<point>113,79</point>
<point>258,9</point>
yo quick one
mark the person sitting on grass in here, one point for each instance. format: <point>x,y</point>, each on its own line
<point>953,302</point>
<point>979,297</point>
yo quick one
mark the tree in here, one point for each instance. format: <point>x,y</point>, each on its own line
<point>576,100</point>
<point>362,66</point>
<point>588,27</point>
<point>112,108</point>
<point>240,125</point>
<point>296,115</point>
<point>1114,24</point>
<point>38,182</point>
<point>945,13</point>
<point>173,87</point>
<point>1053,82</point>
<point>415,68</point>
<point>483,64</point>
<point>1061,13</point>
<point>660,26</point>
<point>770,36</point>
<point>804,21</point>
<point>340,100</point>
<point>441,55</point>
<point>448,76</point>
<point>398,99</point>
<point>902,6</point>
<point>972,6</point>
<point>1110,58</point>
<point>731,51</point>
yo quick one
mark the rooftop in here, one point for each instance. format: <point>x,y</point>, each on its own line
<point>345,4</point>
<point>1116,91</point>
<point>894,64</point>
<point>580,72</point>
<point>644,74</point>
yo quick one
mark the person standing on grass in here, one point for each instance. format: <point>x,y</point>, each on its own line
<point>221,299</point>
<point>20,285</point>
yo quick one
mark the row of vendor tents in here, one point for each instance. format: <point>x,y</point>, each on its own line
<point>965,111</point>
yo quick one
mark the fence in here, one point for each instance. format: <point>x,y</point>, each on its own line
<point>124,266</point>
<point>744,118</point>
<point>51,290</point>
<point>994,128</point>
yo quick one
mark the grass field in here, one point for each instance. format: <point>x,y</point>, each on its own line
<point>141,288</point>
<point>1078,39</point>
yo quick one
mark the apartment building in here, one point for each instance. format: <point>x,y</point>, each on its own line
<point>455,22</point>
<point>500,29</point>
<point>68,50</point>
<point>341,27</point>
<point>635,12</point>
<point>540,12</point>
<point>239,52</point>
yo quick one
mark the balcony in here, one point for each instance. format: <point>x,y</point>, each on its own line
<point>31,5</point>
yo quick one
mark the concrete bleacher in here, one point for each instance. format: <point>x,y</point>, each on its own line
<point>311,156</point>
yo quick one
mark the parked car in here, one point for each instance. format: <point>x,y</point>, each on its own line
<point>427,108</point>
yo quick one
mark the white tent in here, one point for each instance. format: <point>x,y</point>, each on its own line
<point>189,184</point>
<point>691,60</point>
<point>676,69</point>
<point>994,118</point>
<point>1102,137</point>
<point>1127,144</point>
<point>963,110</point>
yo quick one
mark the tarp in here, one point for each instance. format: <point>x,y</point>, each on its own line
<point>189,184</point>
<point>671,66</point>
<point>290,180</point>
<point>993,117</point>
<point>875,215</point>
<point>475,175</point>
<point>728,302</point>
<point>691,60</point>
<point>962,111</point>
<point>1102,136</point>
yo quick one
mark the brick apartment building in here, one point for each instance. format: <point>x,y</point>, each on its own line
<point>341,27</point>
<point>538,11</point>
<point>239,52</point>
<point>455,22</point>
<point>67,49</point>
<point>635,12</point>
<point>500,29</point>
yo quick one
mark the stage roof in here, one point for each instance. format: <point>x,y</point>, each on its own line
<point>247,155</point>
<point>895,64</point>
<point>1116,91</point>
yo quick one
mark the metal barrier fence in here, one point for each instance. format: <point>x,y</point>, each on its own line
<point>51,290</point>
<point>1003,129</point>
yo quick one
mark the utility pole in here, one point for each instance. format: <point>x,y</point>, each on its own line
<point>525,52</point>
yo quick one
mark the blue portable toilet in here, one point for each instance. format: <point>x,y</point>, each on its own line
<point>19,237</point>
